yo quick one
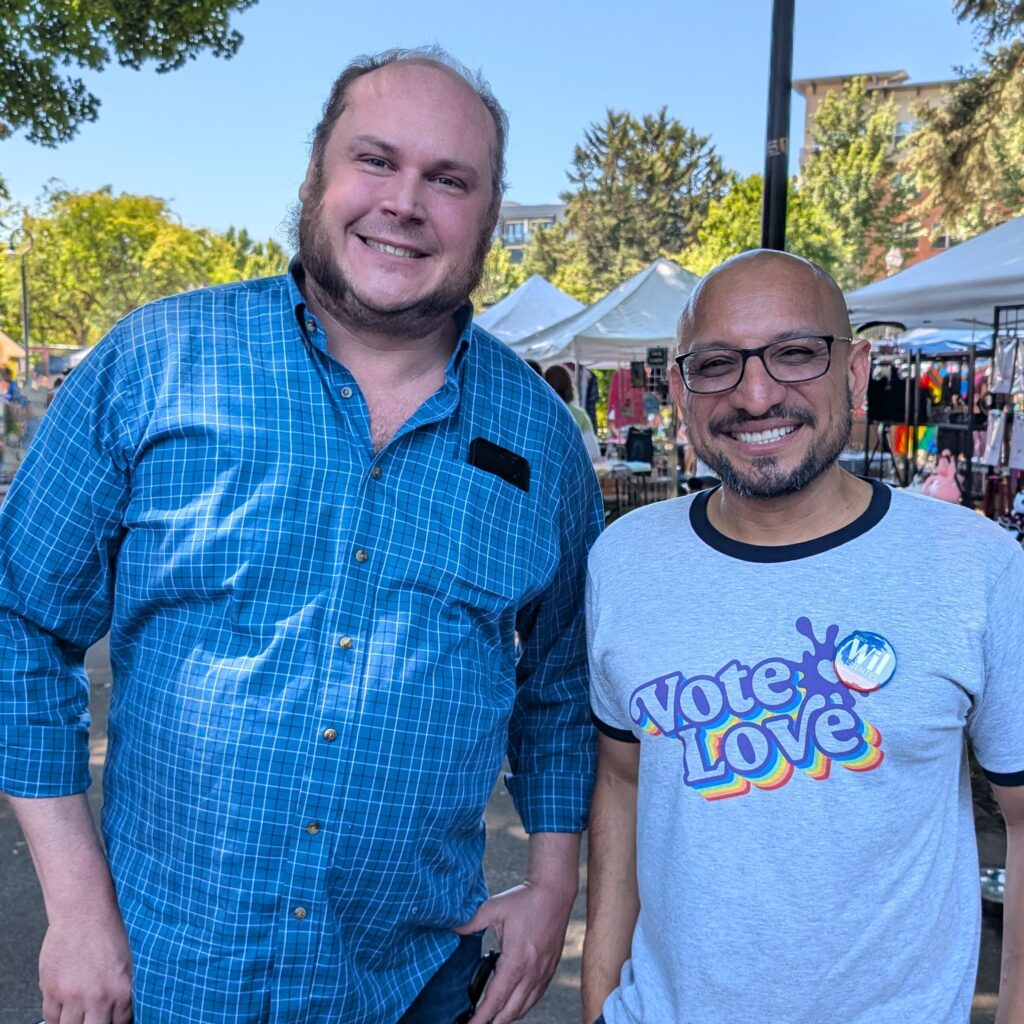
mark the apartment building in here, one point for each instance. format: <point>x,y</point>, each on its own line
<point>517,222</point>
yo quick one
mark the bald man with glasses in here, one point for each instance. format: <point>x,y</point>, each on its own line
<point>782,824</point>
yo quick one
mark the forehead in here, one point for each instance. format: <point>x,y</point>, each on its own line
<point>754,303</point>
<point>419,107</point>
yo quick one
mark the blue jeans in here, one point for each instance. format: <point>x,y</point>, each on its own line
<point>446,995</point>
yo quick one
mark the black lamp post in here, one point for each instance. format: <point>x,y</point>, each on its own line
<point>776,158</point>
<point>18,246</point>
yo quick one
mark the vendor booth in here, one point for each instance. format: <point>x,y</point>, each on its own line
<point>534,305</point>
<point>631,330</point>
<point>967,305</point>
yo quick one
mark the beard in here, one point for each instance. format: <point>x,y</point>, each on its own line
<point>766,479</point>
<point>339,297</point>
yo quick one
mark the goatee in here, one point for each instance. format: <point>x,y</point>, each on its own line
<point>765,480</point>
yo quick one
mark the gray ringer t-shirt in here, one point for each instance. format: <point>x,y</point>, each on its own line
<point>805,839</point>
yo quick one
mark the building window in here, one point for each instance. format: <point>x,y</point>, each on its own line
<point>515,232</point>
<point>902,130</point>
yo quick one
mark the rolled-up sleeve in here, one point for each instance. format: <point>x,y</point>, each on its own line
<point>551,738</point>
<point>60,529</point>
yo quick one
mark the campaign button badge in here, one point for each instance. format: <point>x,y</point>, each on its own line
<point>865,661</point>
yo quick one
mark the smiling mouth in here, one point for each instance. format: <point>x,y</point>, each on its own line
<point>764,436</point>
<point>393,250</point>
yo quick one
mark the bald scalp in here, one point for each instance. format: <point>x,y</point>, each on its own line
<point>773,268</point>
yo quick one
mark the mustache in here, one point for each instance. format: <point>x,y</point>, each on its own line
<point>740,418</point>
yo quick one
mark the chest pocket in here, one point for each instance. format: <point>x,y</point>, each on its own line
<point>490,541</point>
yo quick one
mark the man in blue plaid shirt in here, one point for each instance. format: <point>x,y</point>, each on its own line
<point>338,536</point>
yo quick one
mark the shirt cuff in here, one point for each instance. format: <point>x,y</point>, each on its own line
<point>552,802</point>
<point>44,761</point>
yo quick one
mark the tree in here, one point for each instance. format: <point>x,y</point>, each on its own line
<point>39,38</point>
<point>967,155</point>
<point>96,257</point>
<point>733,225</point>
<point>235,256</point>
<point>559,258</point>
<point>500,277</point>
<point>853,178</point>
<point>643,187</point>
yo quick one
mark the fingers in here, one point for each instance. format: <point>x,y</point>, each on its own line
<point>485,916</point>
<point>519,981</point>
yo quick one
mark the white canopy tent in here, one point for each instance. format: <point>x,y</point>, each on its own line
<point>534,305</point>
<point>641,313</point>
<point>957,288</point>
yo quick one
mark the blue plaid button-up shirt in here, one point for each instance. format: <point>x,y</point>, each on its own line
<point>316,673</point>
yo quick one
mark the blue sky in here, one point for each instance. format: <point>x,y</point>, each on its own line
<point>226,142</point>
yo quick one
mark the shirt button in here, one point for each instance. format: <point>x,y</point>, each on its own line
<point>345,643</point>
<point>313,828</point>
<point>346,392</point>
<point>361,555</point>
<point>376,472</point>
<point>311,326</point>
<point>330,735</point>
<point>299,913</point>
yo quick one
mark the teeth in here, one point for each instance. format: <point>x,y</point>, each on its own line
<point>393,250</point>
<point>764,436</point>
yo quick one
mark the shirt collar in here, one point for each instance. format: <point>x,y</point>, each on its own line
<point>309,326</point>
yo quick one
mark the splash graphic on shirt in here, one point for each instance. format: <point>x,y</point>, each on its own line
<point>755,725</point>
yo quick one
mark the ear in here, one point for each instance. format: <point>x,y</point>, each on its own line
<point>677,389</point>
<point>859,371</point>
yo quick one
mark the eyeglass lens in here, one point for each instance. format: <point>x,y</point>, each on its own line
<point>790,361</point>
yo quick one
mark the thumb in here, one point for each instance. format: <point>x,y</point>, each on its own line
<point>482,919</point>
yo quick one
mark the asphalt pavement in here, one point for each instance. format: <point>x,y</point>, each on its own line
<point>22,919</point>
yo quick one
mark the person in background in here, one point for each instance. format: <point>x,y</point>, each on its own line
<point>560,380</point>
<point>338,536</point>
<point>535,366</point>
<point>587,388</point>
<point>9,386</point>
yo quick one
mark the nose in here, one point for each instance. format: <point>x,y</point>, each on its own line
<point>758,391</point>
<point>404,198</point>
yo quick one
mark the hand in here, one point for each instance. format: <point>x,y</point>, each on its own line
<point>530,921</point>
<point>85,972</point>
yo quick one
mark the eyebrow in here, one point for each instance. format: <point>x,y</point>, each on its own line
<point>445,164</point>
<point>798,332</point>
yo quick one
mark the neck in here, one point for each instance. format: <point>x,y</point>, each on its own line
<point>370,354</point>
<point>830,502</point>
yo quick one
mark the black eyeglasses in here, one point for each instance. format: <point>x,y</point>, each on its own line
<point>710,371</point>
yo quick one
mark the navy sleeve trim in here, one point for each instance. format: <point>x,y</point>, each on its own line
<point>998,778</point>
<point>622,735</point>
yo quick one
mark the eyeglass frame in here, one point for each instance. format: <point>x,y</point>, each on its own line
<point>749,353</point>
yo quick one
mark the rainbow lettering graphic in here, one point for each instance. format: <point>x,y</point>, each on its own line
<point>754,726</point>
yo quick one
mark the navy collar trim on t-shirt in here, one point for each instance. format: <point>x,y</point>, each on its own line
<point>871,517</point>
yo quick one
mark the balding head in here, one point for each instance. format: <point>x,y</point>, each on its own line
<point>759,277</point>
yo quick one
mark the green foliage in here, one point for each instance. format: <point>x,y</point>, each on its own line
<point>500,277</point>
<point>235,256</point>
<point>733,225</point>
<point>967,155</point>
<point>852,178</point>
<point>642,188</point>
<point>40,38</point>
<point>557,256</point>
<point>994,20</point>
<point>96,257</point>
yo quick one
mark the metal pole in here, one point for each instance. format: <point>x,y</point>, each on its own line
<point>24,318</point>
<point>776,160</point>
